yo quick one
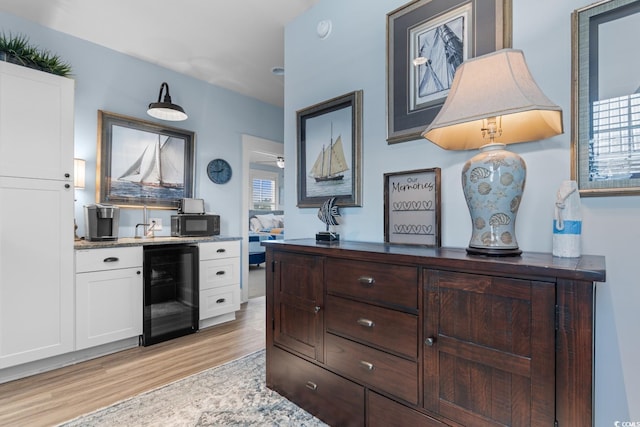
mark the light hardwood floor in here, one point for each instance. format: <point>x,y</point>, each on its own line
<point>53,397</point>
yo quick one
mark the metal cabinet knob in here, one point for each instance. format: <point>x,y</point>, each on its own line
<point>430,341</point>
<point>365,322</point>
<point>366,281</point>
<point>316,309</point>
<point>367,365</point>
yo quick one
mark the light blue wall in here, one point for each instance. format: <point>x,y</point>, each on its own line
<point>354,57</point>
<point>111,81</point>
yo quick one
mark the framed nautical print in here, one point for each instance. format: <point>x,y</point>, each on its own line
<point>412,207</point>
<point>330,151</point>
<point>426,41</point>
<point>143,163</point>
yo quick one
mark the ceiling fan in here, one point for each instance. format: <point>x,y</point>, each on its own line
<point>277,160</point>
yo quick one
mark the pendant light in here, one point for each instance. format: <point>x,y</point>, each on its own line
<point>164,109</point>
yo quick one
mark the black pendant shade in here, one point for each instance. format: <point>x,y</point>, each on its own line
<point>164,109</point>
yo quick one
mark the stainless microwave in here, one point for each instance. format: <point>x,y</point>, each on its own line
<point>193,225</point>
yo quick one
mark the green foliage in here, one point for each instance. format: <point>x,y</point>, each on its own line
<point>18,50</point>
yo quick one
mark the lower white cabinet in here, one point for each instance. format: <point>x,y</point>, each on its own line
<point>109,295</point>
<point>219,281</point>
<point>36,269</point>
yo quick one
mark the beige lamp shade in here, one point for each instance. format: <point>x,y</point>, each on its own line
<point>497,85</point>
<point>78,173</point>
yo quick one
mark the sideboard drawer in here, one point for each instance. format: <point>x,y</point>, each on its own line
<point>384,371</point>
<point>386,284</point>
<point>382,327</point>
<point>383,412</point>
<point>338,401</point>
<point>108,258</point>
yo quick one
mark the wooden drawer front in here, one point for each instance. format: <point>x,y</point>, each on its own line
<point>217,250</point>
<point>383,412</point>
<point>218,301</point>
<point>108,258</point>
<point>337,401</point>
<point>388,329</point>
<point>385,284</point>
<point>373,367</point>
<point>219,272</point>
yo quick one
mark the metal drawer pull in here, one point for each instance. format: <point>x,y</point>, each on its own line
<point>366,281</point>
<point>365,322</point>
<point>220,273</point>
<point>221,250</point>
<point>311,385</point>
<point>111,259</point>
<point>316,309</point>
<point>367,365</point>
<point>430,341</point>
<point>220,301</point>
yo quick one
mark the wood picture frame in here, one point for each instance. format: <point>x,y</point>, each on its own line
<point>142,163</point>
<point>329,143</point>
<point>412,207</point>
<point>481,26</point>
<point>605,141</point>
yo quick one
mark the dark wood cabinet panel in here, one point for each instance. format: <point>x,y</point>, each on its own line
<point>431,336</point>
<point>490,357</point>
<point>298,303</point>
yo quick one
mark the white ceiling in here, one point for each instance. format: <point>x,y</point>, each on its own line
<point>229,43</point>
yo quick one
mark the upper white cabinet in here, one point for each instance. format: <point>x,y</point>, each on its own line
<point>36,215</point>
<point>36,123</point>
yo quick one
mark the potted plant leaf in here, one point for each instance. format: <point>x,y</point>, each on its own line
<point>18,50</point>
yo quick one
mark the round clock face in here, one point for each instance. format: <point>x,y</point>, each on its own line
<point>219,171</point>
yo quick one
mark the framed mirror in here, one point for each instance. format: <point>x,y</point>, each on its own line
<point>606,98</point>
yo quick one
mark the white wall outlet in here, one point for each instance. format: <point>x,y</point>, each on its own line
<point>155,224</point>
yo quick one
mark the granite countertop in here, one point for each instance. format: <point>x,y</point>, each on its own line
<point>158,240</point>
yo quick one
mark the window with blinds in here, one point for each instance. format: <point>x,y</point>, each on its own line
<point>614,149</point>
<point>264,194</point>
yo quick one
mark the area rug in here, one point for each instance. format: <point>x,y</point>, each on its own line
<point>233,394</point>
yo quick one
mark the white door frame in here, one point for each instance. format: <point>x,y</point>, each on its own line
<point>251,144</point>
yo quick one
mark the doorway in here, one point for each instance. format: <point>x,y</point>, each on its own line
<point>253,148</point>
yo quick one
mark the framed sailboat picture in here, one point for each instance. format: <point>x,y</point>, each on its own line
<point>330,151</point>
<point>143,163</point>
<point>426,41</point>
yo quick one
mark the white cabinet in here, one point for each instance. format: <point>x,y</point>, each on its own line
<point>109,295</point>
<point>36,215</point>
<point>219,281</point>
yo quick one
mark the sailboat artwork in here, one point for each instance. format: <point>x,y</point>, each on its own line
<point>330,163</point>
<point>159,165</point>
<point>439,48</point>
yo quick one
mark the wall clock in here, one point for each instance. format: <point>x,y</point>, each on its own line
<point>219,171</point>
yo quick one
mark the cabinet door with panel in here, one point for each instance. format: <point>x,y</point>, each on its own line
<point>36,270</point>
<point>489,349</point>
<point>298,305</point>
<point>36,123</point>
<point>109,295</point>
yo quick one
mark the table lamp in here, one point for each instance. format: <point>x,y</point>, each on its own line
<point>494,101</point>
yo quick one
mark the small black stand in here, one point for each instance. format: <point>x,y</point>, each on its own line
<point>327,237</point>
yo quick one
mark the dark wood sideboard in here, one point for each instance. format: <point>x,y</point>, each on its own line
<point>380,335</point>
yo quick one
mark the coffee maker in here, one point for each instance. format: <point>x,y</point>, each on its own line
<point>101,222</point>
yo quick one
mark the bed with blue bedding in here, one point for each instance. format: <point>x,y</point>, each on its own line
<point>263,225</point>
